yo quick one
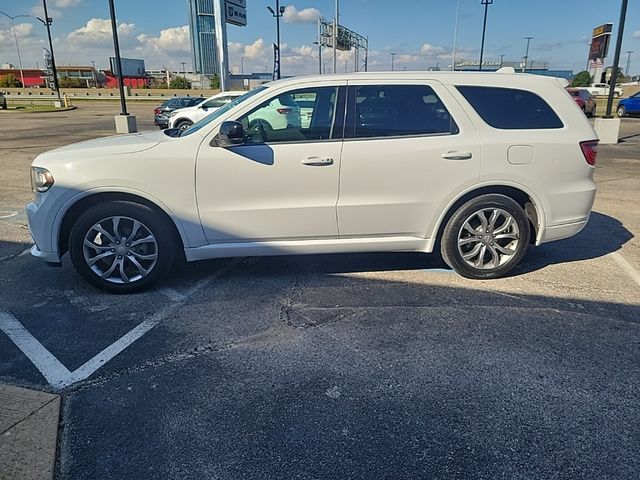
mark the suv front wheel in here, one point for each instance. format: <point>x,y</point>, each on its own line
<point>486,237</point>
<point>121,247</point>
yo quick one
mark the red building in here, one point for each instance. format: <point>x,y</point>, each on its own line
<point>32,76</point>
<point>133,82</point>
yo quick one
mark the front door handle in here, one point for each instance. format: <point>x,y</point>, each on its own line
<point>317,162</point>
<point>457,155</point>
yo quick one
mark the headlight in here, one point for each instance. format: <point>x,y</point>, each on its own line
<point>41,179</point>
<point>173,114</point>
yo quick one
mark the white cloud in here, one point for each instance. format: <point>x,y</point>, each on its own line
<point>306,15</point>
<point>428,49</point>
<point>636,34</point>
<point>254,50</point>
<point>97,31</point>
<point>174,39</point>
<point>65,3</point>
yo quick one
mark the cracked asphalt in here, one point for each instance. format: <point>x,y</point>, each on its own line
<point>345,366</point>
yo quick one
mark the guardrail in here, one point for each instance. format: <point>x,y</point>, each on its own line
<point>104,93</point>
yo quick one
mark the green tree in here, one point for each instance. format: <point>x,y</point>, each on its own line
<point>582,79</point>
<point>10,81</point>
<point>180,83</point>
<point>215,82</point>
<point>68,82</point>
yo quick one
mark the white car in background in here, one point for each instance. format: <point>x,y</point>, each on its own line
<point>477,165</point>
<point>602,89</point>
<point>183,118</point>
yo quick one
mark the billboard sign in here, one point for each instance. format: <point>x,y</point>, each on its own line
<point>600,42</point>
<point>239,3</point>
<point>236,15</point>
<point>131,67</point>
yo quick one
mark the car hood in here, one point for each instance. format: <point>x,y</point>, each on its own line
<point>113,145</point>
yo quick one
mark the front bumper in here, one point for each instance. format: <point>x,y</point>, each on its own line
<point>49,257</point>
<point>40,229</point>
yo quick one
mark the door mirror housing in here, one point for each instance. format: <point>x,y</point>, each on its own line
<point>231,134</point>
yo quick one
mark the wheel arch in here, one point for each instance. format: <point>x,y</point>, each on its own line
<point>523,198</point>
<point>82,204</point>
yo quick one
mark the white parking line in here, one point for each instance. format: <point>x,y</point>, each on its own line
<point>626,266</point>
<point>57,374</point>
<point>172,294</point>
<point>48,365</point>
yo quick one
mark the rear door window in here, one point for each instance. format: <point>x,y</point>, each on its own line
<point>510,108</point>
<point>396,110</point>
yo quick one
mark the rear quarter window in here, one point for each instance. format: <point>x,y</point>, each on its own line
<point>510,108</point>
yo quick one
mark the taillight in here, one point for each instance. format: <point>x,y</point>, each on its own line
<point>157,111</point>
<point>284,111</point>
<point>590,151</point>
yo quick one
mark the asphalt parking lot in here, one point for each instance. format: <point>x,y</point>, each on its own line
<point>371,366</point>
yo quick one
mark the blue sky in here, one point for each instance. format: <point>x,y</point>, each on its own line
<point>421,32</point>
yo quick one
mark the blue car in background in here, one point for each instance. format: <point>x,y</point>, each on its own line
<point>629,106</point>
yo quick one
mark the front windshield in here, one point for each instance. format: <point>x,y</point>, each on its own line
<point>221,111</point>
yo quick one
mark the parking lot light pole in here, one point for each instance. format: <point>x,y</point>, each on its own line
<point>393,58</point>
<point>279,12</point>
<point>47,23</point>
<point>486,4</point>
<point>616,58</point>
<point>526,53</point>
<point>15,38</point>
<point>628,68</point>
<point>125,123</point>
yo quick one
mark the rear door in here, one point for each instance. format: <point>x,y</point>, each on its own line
<point>408,147</point>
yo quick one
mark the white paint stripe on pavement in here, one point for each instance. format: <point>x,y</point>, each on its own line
<point>57,374</point>
<point>53,371</point>
<point>172,294</point>
<point>626,266</point>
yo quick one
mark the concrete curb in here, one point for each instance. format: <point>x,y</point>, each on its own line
<point>20,111</point>
<point>28,433</point>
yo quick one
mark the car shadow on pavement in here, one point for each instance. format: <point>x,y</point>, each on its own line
<point>602,235</point>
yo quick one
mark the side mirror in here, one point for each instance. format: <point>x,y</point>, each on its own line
<point>231,134</point>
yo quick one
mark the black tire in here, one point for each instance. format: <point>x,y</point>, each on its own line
<point>621,111</point>
<point>125,254</point>
<point>489,246</point>
<point>183,124</point>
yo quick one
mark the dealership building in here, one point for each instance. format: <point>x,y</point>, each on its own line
<point>533,67</point>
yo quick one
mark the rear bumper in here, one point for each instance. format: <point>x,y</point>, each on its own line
<point>558,232</point>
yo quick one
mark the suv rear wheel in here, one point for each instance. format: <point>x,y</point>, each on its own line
<point>184,124</point>
<point>121,247</point>
<point>486,237</point>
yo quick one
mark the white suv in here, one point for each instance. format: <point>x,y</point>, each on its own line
<point>477,165</point>
<point>183,118</point>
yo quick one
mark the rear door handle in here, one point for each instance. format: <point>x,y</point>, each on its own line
<point>457,155</point>
<point>317,162</point>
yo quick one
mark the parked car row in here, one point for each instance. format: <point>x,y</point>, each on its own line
<point>587,102</point>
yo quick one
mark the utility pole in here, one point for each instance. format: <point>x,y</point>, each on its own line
<point>628,69</point>
<point>93,74</point>
<point>393,58</point>
<point>486,4</point>
<point>15,38</point>
<point>501,60</point>
<point>184,72</point>
<point>319,47</point>
<point>47,23</point>
<point>455,36</point>
<point>221,43</point>
<point>526,53</point>
<point>277,14</point>
<point>336,23</point>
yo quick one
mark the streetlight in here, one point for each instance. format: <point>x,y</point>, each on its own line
<point>279,11</point>
<point>393,58</point>
<point>47,23</point>
<point>628,69</point>
<point>526,53</point>
<point>15,37</point>
<point>486,4</point>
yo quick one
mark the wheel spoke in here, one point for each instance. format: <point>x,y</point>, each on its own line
<point>503,250</point>
<point>90,244</point>
<point>492,220</point>
<point>480,260</point>
<point>505,226</point>
<point>483,221</point>
<point>143,271</point>
<point>114,265</point>
<point>152,256</point>
<point>510,236</point>
<point>473,252</point>
<point>123,274</point>
<point>134,231</point>
<point>467,226</point>
<point>147,239</point>
<point>495,258</point>
<point>468,240</point>
<point>116,224</point>
<point>99,257</point>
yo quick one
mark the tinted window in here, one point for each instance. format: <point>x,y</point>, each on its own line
<point>510,109</point>
<point>280,119</point>
<point>396,110</point>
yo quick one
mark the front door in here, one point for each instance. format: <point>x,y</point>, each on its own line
<point>282,184</point>
<point>408,146</point>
